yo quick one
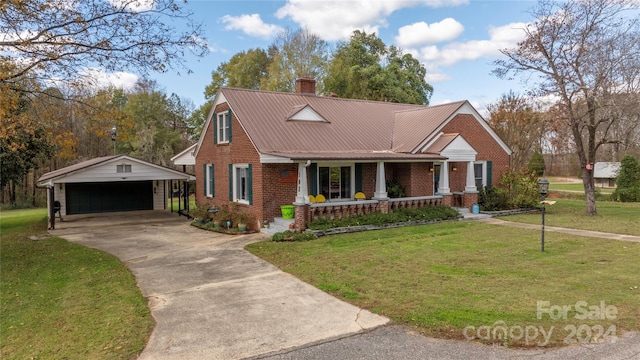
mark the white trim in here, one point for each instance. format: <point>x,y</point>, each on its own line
<point>459,150</point>
<point>207,180</point>
<point>185,157</point>
<point>217,100</point>
<point>484,171</point>
<point>307,113</point>
<point>465,108</point>
<point>274,159</point>
<point>222,120</point>
<point>234,182</point>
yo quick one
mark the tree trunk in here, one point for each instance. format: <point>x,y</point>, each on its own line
<point>33,191</point>
<point>589,192</point>
<point>12,193</point>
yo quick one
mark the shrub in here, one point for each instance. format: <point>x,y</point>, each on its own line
<point>402,215</point>
<point>395,189</point>
<point>628,181</point>
<point>291,236</point>
<point>516,189</point>
<point>536,164</point>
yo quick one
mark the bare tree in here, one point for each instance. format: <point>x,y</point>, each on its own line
<point>581,52</point>
<point>56,40</point>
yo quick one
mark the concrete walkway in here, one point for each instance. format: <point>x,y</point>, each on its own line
<point>579,232</point>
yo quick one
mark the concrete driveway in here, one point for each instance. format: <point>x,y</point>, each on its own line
<point>212,299</point>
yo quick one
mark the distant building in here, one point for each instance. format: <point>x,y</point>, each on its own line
<point>605,173</point>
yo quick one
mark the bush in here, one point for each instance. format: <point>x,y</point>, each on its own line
<point>628,181</point>
<point>516,189</point>
<point>395,189</point>
<point>291,236</point>
<point>491,199</point>
<point>402,215</point>
<point>536,164</point>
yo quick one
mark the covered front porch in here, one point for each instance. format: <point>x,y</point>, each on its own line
<point>335,192</point>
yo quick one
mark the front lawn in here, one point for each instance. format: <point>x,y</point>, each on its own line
<point>613,217</point>
<point>448,277</point>
<point>60,300</point>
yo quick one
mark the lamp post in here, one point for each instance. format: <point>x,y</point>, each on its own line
<point>114,133</point>
<point>543,189</point>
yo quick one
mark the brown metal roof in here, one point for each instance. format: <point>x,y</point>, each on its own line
<point>441,143</point>
<point>358,155</point>
<point>413,126</point>
<point>351,127</point>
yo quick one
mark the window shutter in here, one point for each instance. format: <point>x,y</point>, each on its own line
<point>229,119</point>
<point>215,128</point>
<point>231,182</point>
<point>358,177</point>
<point>250,185</point>
<point>212,183</point>
<point>204,178</point>
<point>313,174</point>
<point>489,173</point>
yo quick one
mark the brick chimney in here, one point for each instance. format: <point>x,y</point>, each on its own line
<point>305,86</point>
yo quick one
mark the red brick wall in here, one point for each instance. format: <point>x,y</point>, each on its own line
<point>278,188</point>
<point>487,148</point>
<point>369,179</point>
<point>239,150</point>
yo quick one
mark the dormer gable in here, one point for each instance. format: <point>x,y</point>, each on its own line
<point>305,113</point>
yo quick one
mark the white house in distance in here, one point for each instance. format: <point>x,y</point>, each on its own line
<point>605,174</point>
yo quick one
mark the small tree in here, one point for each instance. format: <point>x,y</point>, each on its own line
<point>628,181</point>
<point>536,164</point>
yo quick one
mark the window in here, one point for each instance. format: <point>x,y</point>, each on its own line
<point>223,130</point>
<point>335,182</point>
<point>478,169</point>
<point>241,183</point>
<point>123,168</point>
<point>209,189</point>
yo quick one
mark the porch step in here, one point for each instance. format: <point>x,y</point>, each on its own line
<point>461,210</point>
<point>278,225</point>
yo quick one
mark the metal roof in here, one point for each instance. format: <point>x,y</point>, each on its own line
<point>352,127</point>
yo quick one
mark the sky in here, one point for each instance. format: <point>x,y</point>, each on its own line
<point>456,40</point>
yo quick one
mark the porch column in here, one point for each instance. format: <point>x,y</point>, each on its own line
<point>381,182</point>
<point>471,178</point>
<point>302,196</point>
<point>444,179</point>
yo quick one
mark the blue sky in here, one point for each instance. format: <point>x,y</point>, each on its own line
<point>456,40</point>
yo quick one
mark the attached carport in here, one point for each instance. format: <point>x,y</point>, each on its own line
<point>108,184</point>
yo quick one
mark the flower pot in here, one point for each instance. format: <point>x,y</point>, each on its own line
<point>242,227</point>
<point>287,211</point>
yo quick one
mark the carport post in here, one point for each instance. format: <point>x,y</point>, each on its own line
<point>52,215</point>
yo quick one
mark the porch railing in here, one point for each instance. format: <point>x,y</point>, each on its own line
<point>339,210</point>
<point>417,202</point>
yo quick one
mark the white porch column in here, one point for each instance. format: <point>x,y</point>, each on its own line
<point>471,178</point>
<point>381,182</point>
<point>444,179</point>
<point>302,196</point>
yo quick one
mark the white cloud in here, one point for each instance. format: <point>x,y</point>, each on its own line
<point>101,79</point>
<point>499,38</point>
<point>133,5</point>
<point>251,25</point>
<point>336,20</point>
<point>423,33</point>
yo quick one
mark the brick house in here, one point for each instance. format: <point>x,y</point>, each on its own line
<point>265,149</point>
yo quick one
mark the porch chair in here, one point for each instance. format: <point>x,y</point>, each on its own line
<point>312,199</point>
<point>320,198</point>
<point>360,196</point>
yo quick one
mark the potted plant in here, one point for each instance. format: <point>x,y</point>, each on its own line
<point>242,218</point>
<point>199,213</point>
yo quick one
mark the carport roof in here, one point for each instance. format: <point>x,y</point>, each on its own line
<point>50,177</point>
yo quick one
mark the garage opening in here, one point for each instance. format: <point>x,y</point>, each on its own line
<point>85,198</point>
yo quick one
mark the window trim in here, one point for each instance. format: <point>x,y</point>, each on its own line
<point>207,180</point>
<point>352,180</point>
<point>234,181</point>
<point>126,168</point>
<point>484,173</point>
<point>222,119</point>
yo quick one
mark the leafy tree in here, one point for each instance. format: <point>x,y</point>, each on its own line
<point>536,164</point>
<point>513,118</point>
<point>365,68</point>
<point>294,55</point>
<point>581,52</point>
<point>628,181</point>
<point>55,39</point>
<point>246,70</point>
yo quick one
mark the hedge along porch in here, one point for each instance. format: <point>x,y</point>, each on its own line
<point>258,149</point>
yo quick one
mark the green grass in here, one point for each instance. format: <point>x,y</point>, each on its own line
<point>442,278</point>
<point>613,217</point>
<point>192,203</point>
<point>579,187</point>
<point>60,300</point>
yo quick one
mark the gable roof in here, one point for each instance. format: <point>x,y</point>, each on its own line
<point>367,128</point>
<point>185,157</point>
<point>67,173</point>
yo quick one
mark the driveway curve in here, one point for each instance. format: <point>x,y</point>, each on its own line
<point>210,298</point>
